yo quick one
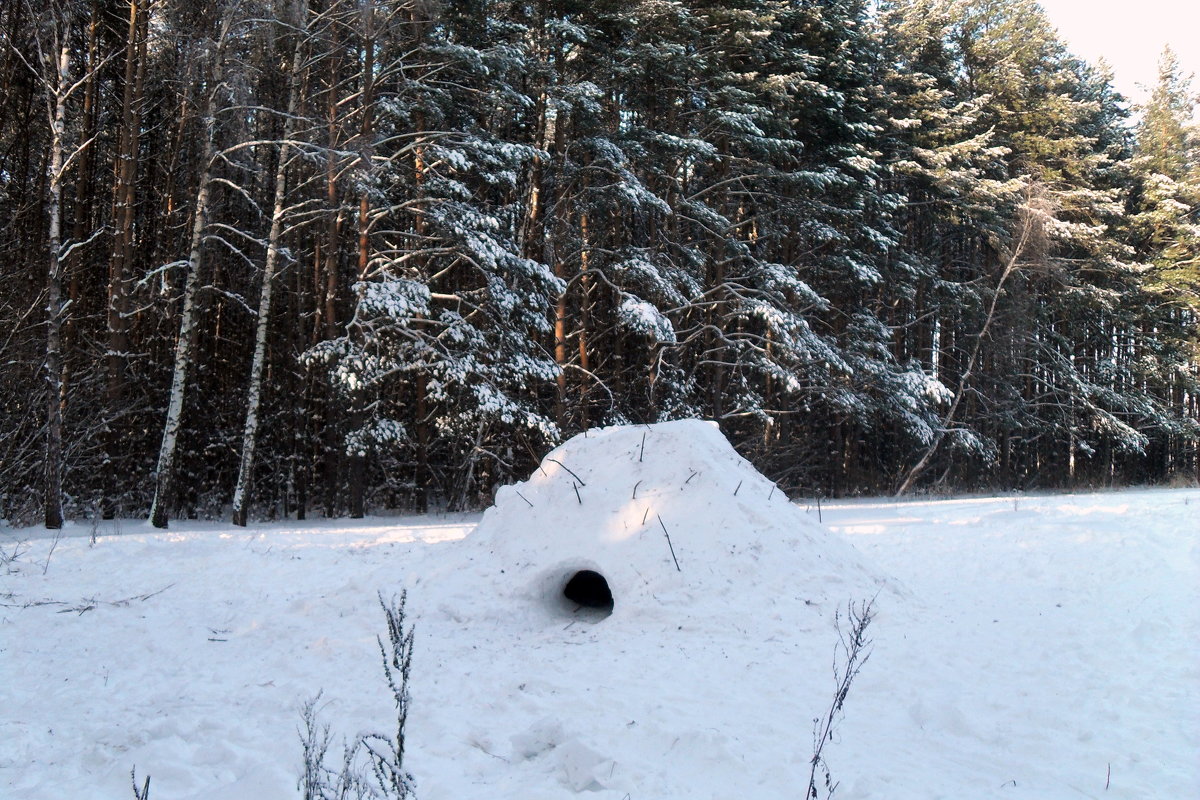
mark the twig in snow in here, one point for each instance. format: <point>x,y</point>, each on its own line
<point>144,792</point>
<point>856,649</point>
<point>568,469</point>
<point>689,479</point>
<point>140,597</point>
<point>575,486</point>
<point>82,608</point>
<point>739,486</point>
<point>34,603</point>
<point>17,552</point>
<point>88,604</point>
<point>772,494</point>
<point>487,752</point>
<point>642,451</point>
<point>1108,777</point>
<point>819,509</point>
<point>523,497</point>
<point>646,514</point>
<point>664,527</point>
<point>53,544</point>
<point>533,455</point>
<point>639,483</point>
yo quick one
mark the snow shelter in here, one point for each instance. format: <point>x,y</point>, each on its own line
<point>637,518</point>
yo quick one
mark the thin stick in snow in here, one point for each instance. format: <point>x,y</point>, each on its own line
<point>642,450</point>
<point>664,527</point>
<point>53,544</point>
<point>533,455</point>
<point>568,469</point>
<point>526,499</point>
<point>144,792</point>
<point>739,486</point>
<point>575,486</point>
<point>639,483</point>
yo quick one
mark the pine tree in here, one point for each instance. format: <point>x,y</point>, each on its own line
<point>1165,228</point>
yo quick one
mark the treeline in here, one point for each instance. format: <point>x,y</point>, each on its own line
<point>321,256</point>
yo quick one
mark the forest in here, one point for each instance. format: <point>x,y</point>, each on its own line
<point>278,258</point>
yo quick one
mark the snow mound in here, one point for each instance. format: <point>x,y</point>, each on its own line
<point>668,519</point>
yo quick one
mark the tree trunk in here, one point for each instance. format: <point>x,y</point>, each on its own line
<point>74,266</point>
<point>120,265</point>
<point>1027,230</point>
<point>358,460</point>
<point>585,319</point>
<point>164,486</point>
<point>241,493</point>
<point>54,306</point>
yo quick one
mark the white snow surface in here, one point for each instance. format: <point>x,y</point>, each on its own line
<point>1040,646</point>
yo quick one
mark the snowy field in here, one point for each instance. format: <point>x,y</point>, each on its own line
<point>1035,647</point>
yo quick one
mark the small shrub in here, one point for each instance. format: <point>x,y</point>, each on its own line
<point>372,766</point>
<point>853,650</point>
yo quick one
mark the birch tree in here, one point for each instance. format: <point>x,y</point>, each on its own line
<point>242,488</point>
<point>52,69</point>
<point>185,343</point>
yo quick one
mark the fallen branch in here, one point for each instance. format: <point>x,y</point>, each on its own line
<point>90,603</point>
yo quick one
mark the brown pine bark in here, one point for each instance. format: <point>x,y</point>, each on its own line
<point>120,263</point>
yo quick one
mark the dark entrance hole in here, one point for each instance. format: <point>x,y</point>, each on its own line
<point>589,590</point>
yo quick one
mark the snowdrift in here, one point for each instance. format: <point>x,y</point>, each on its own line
<point>716,580</point>
<point>673,519</point>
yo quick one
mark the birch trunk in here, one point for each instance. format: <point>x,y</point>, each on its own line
<point>54,306</point>
<point>241,493</point>
<point>165,473</point>
<point>358,461</point>
<point>73,267</point>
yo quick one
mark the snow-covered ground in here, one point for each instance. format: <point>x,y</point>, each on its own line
<point>1038,647</point>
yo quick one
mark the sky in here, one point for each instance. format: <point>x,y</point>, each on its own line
<point>1130,35</point>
